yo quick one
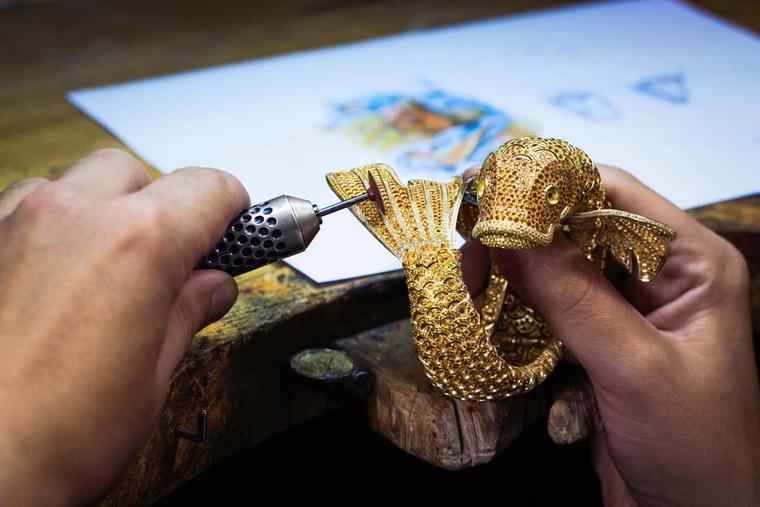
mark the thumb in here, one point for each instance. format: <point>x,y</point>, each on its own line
<point>206,297</point>
<point>601,329</point>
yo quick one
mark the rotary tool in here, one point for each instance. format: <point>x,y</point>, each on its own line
<point>273,230</point>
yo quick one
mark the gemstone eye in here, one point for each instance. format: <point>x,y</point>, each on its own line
<point>552,195</point>
<point>480,187</point>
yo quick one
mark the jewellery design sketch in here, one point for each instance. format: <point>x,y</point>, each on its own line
<point>526,190</point>
<point>668,87</point>
<point>429,131</point>
<point>590,105</point>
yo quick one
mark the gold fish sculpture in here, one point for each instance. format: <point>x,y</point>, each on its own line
<point>526,190</point>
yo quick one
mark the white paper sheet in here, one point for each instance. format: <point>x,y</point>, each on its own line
<point>661,89</point>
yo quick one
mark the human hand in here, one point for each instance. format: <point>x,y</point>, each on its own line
<point>671,362</point>
<point>98,302</point>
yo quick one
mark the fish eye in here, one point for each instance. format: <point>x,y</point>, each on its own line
<point>552,195</point>
<point>480,187</point>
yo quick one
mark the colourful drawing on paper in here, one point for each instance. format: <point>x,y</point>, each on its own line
<point>434,130</point>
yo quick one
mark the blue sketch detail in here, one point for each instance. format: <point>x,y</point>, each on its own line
<point>434,130</point>
<point>668,87</point>
<point>590,105</point>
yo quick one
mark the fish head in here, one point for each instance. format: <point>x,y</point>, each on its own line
<point>522,199</point>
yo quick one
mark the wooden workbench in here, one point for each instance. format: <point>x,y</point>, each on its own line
<point>236,368</point>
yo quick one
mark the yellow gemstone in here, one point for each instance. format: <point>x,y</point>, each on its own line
<point>480,187</point>
<point>552,195</point>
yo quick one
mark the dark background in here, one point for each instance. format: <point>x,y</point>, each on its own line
<point>337,461</point>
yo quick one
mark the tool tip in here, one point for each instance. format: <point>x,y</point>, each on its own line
<point>374,194</point>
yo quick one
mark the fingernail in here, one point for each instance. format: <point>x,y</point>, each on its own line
<point>222,300</point>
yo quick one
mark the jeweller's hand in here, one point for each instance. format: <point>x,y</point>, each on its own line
<point>671,363</point>
<point>98,302</point>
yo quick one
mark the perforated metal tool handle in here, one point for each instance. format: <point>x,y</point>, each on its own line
<point>263,234</point>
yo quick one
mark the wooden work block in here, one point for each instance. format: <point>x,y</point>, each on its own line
<point>237,370</point>
<point>406,409</point>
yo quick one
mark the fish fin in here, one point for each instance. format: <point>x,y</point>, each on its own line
<point>418,213</point>
<point>637,243</point>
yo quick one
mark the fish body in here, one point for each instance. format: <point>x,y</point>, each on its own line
<point>527,189</point>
